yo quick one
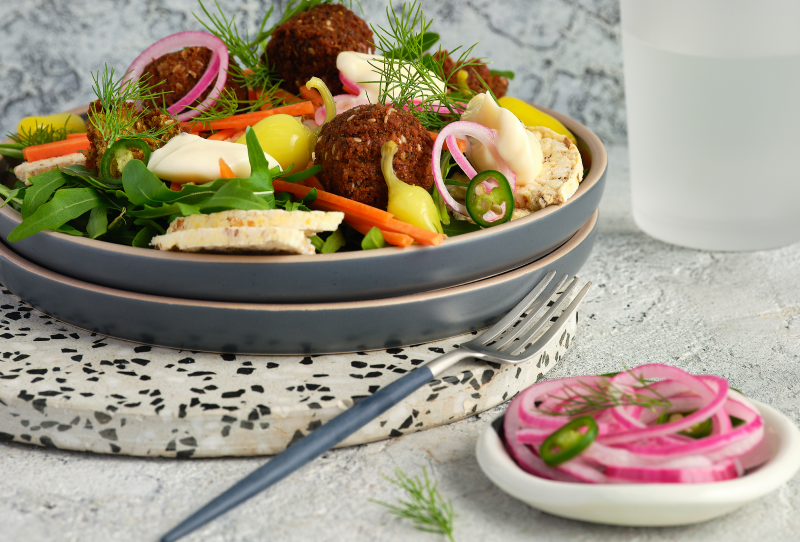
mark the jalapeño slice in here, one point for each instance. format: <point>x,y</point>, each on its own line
<point>120,153</point>
<point>569,441</point>
<point>480,202</point>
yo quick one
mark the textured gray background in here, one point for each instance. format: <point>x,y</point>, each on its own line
<point>566,53</point>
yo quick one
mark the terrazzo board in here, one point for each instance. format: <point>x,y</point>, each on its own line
<point>67,388</point>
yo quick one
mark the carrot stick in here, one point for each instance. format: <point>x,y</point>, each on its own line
<point>397,239</point>
<point>312,182</point>
<point>336,203</point>
<point>312,95</point>
<point>249,119</point>
<point>79,134</point>
<point>223,135</point>
<point>462,145</point>
<point>56,148</point>
<point>225,171</point>
<point>420,235</point>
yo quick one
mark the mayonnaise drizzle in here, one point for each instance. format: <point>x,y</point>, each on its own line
<point>516,145</point>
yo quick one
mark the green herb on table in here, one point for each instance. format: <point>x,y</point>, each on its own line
<point>425,507</point>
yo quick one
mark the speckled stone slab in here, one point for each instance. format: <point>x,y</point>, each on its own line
<point>67,388</point>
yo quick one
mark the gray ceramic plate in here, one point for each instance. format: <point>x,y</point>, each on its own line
<point>352,276</point>
<point>291,328</point>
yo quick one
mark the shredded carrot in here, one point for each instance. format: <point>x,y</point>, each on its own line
<point>462,145</point>
<point>312,95</point>
<point>332,202</point>
<point>225,171</point>
<point>248,119</point>
<point>397,239</point>
<point>56,148</point>
<point>175,187</point>
<point>224,135</point>
<point>76,135</point>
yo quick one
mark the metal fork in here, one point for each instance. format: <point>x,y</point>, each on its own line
<point>510,340</point>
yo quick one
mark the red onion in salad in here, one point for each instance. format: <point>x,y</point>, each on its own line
<point>343,103</point>
<point>350,86</point>
<point>462,130</point>
<point>645,419</point>
<point>217,67</point>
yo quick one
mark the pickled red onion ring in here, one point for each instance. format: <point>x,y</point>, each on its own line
<point>463,129</point>
<point>217,66</point>
<point>632,447</point>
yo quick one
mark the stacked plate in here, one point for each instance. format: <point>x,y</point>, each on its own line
<point>299,304</point>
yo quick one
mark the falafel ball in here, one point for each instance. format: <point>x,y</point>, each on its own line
<point>148,120</point>
<point>175,74</point>
<point>475,73</point>
<point>307,45</point>
<point>349,151</point>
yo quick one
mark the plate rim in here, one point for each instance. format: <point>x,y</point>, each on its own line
<point>576,239</point>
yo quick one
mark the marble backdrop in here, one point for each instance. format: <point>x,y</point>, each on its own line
<point>566,53</point>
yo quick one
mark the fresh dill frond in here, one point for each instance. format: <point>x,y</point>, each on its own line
<point>588,398</point>
<point>425,506</point>
<point>119,115</point>
<point>412,79</point>
<point>251,71</point>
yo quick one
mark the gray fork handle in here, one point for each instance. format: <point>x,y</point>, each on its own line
<point>318,442</point>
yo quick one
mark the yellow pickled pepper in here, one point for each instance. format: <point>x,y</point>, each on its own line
<point>530,116</point>
<point>409,203</point>
<point>73,123</point>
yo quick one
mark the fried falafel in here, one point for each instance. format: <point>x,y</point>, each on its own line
<point>307,45</point>
<point>477,75</point>
<point>349,151</point>
<point>175,74</point>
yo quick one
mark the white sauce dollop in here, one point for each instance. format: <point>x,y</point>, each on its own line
<point>362,67</point>
<point>190,158</point>
<point>516,145</point>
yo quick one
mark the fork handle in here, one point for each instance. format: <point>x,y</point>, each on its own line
<point>315,444</point>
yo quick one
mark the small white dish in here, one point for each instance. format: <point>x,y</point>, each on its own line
<point>649,505</point>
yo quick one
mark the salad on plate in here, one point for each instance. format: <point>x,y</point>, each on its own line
<point>319,134</point>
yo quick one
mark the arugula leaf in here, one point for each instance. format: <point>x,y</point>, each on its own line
<point>303,175</point>
<point>142,187</point>
<point>234,196</point>
<point>176,209</point>
<point>373,239</point>
<point>9,196</point>
<point>69,230</point>
<point>459,227</point>
<point>508,74</point>
<point>142,239</point>
<point>334,242</point>
<point>260,173</point>
<point>152,223</point>
<point>42,187</point>
<point>98,222</point>
<point>67,204</point>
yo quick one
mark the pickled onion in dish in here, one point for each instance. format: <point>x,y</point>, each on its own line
<point>350,86</point>
<point>463,130</point>
<point>217,67</point>
<point>343,103</point>
<point>656,424</point>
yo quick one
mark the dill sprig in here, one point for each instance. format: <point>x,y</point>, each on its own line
<point>588,398</point>
<point>425,507</point>
<point>119,101</point>
<point>412,79</point>
<point>39,135</point>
